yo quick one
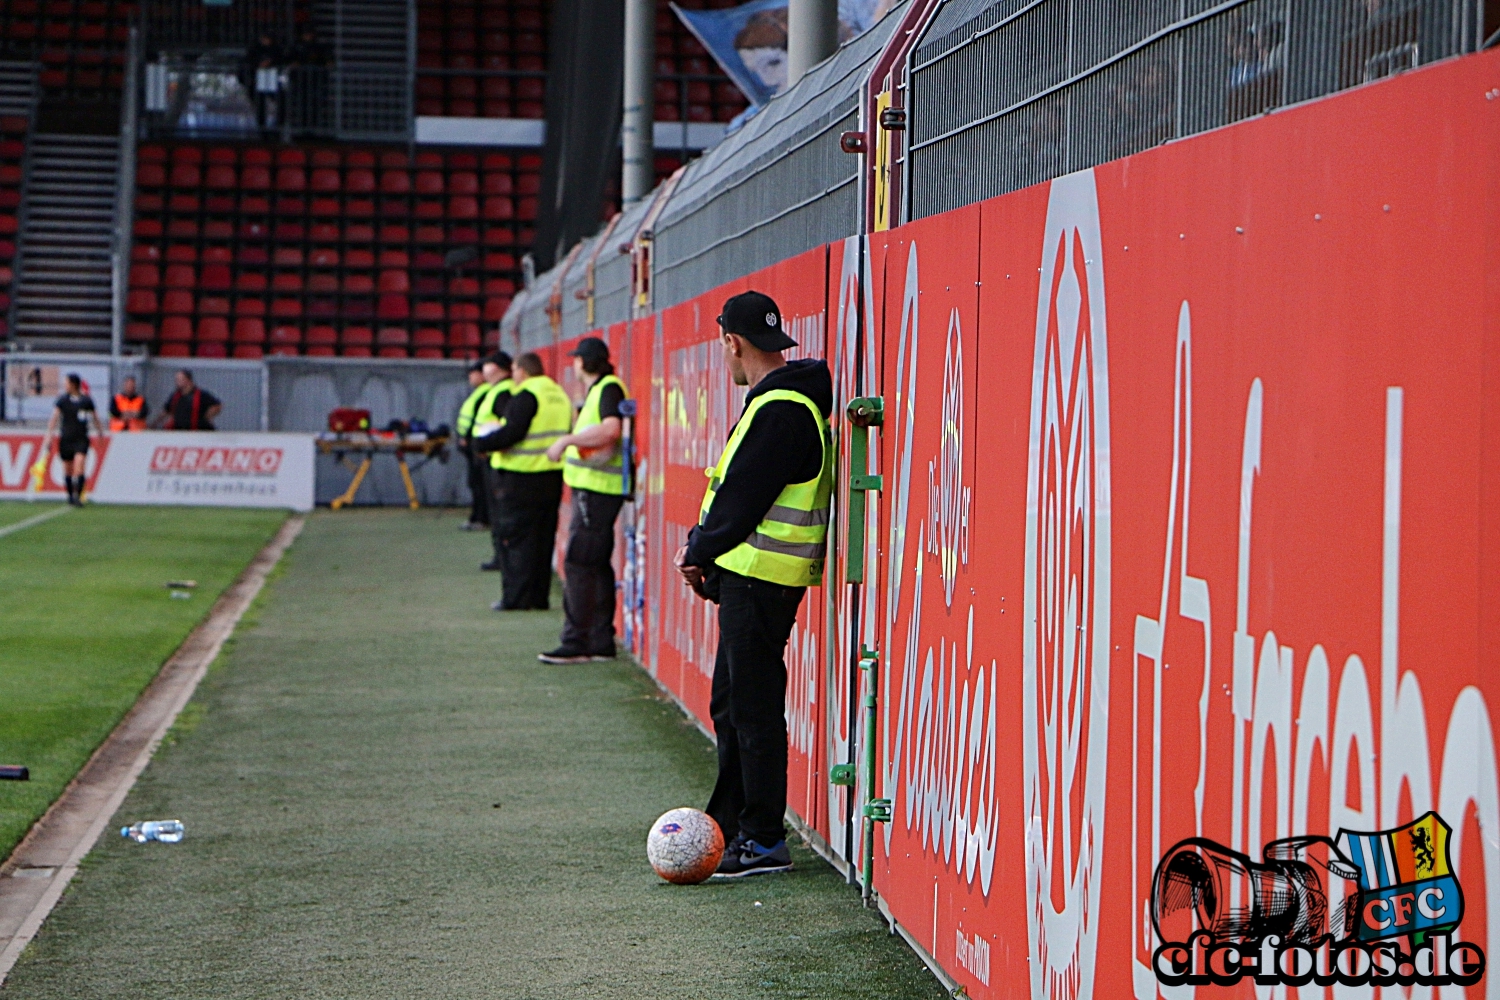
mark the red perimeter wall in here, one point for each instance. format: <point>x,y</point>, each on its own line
<point>1190,527</point>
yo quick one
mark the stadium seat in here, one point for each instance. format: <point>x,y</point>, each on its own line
<point>223,154</point>
<point>322,334</point>
<point>392,352</point>
<point>395,235</point>
<point>326,208</point>
<point>360,182</point>
<point>177,328</point>
<point>256,156</point>
<point>429,234</point>
<point>218,255</point>
<point>324,232</point>
<point>182,253</point>
<point>395,182</point>
<point>499,208</point>
<point>213,305</point>
<point>326,158</point>
<point>291,157</point>
<point>392,307</point>
<point>213,328</point>
<point>255,178</point>
<point>463,286</point>
<point>320,351</point>
<point>357,336</point>
<point>221,178</point>
<point>326,181</point>
<point>464,335</point>
<point>185,175</point>
<point>247,305</point>
<point>286,308</point>
<point>394,281</point>
<point>287,257</point>
<point>463,207</point>
<point>248,330</point>
<point>429,182</point>
<point>250,281</point>
<point>286,281</point>
<point>358,284</point>
<point>145,253</point>
<point>323,283</point>
<point>180,276</point>
<point>291,179</point>
<point>141,302</point>
<point>286,334</point>
<point>145,276</point>
<point>248,351</point>
<point>174,350</point>
<point>151,175</point>
<point>215,278</point>
<point>211,349</point>
<point>428,312</point>
<point>177,302</point>
<point>140,333</point>
<point>356,258</point>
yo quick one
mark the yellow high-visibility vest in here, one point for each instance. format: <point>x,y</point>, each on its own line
<point>603,470</point>
<point>554,417</point>
<point>789,545</point>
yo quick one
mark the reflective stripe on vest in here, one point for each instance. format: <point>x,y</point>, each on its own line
<point>470,405</point>
<point>603,471</point>
<point>553,419</point>
<point>486,420</point>
<point>789,545</point>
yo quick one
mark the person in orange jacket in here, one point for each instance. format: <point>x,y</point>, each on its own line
<point>127,411</point>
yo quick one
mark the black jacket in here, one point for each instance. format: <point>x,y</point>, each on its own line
<point>784,445</point>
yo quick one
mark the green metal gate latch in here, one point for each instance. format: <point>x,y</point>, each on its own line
<point>864,413</point>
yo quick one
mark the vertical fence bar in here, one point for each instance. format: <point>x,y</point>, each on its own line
<point>125,193</point>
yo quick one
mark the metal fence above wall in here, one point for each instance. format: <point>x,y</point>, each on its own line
<point>1014,92</point>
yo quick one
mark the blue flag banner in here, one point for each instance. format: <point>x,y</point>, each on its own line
<point>749,41</point>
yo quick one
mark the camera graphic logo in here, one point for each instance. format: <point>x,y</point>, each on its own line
<point>1222,916</point>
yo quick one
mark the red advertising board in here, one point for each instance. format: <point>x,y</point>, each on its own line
<point>1187,536</point>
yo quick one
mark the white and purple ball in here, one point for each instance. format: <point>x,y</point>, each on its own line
<point>685,846</point>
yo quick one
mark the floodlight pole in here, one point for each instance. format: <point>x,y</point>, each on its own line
<point>812,35</point>
<point>636,139</point>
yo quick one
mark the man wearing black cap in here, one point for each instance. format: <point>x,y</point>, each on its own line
<point>479,508</point>
<point>594,469</point>
<point>759,544</point>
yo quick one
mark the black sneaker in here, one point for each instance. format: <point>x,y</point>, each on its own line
<point>746,857</point>
<point>490,567</point>
<point>604,656</point>
<point>563,655</point>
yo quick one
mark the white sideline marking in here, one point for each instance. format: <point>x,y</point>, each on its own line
<point>47,515</point>
<point>73,824</point>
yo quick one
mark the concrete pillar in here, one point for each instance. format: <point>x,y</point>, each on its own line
<point>812,35</point>
<point>637,147</point>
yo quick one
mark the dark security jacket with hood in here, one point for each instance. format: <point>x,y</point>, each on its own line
<point>784,445</point>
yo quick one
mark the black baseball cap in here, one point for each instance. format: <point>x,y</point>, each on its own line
<point>591,349</point>
<point>476,366</point>
<point>756,317</point>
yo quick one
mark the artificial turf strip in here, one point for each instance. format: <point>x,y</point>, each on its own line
<point>87,622</point>
<point>387,796</point>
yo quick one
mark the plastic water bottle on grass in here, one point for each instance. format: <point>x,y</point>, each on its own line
<point>168,831</point>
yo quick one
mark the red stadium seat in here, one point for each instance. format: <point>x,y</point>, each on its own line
<point>140,333</point>
<point>390,257</point>
<point>324,232</point>
<point>177,302</point>
<point>286,308</point>
<point>286,350</point>
<point>177,328</point>
<point>428,353</point>
<point>427,284</point>
<point>291,158</point>
<point>211,349</point>
<point>184,204</point>
<point>148,153</point>
<point>255,179</point>
<point>322,335</point>
<point>254,205</point>
<point>186,175</point>
<point>499,208</point>
<point>429,182</point>
<point>498,183</point>
<point>394,281</point>
<point>429,209</point>
<point>494,308</point>
<point>221,178</point>
<point>463,335</point>
<point>427,336</point>
<point>182,253</point>
<point>146,229</point>
<point>324,257</point>
<point>391,336</point>
<point>464,182</point>
<point>213,328</point>
<point>249,331</point>
<point>247,305</point>
<point>359,232</point>
<point>286,334</point>
<point>223,154</point>
<point>326,180</point>
<point>291,179</point>
<point>218,229</point>
<point>286,281</point>
<point>428,312</point>
<point>218,255</point>
<point>180,276</point>
<point>151,175</point>
<point>256,156</point>
<point>392,307</point>
<point>359,159</point>
<point>463,310</point>
<point>358,284</point>
<point>172,350</point>
<point>250,281</point>
<point>463,207</point>
<point>141,302</point>
<point>321,351</point>
<point>187,154</point>
<point>144,276</point>
<point>360,182</point>
<point>322,308</point>
<point>326,158</point>
<point>463,286</point>
<point>429,234</point>
<point>356,257</point>
<point>395,234</point>
<point>326,208</point>
<point>213,305</point>
<point>145,253</point>
<point>357,336</point>
<point>287,257</point>
<point>291,206</point>
<point>359,208</point>
<point>395,182</point>
<point>249,351</point>
<point>328,283</point>
<point>215,278</point>
<point>186,229</point>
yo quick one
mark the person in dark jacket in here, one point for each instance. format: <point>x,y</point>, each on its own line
<point>759,544</point>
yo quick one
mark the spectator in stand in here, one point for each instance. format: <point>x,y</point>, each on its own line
<point>72,432</point>
<point>262,77</point>
<point>127,411</point>
<point>189,408</point>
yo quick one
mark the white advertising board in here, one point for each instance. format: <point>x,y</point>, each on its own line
<point>199,468</point>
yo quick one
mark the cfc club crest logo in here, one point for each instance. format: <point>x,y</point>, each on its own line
<point>1360,909</point>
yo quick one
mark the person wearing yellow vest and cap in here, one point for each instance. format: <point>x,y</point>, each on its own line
<point>525,521</point>
<point>489,416</point>
<point>594,469</point>
<point>479,416</point>
<point>127,411</point>
<point>759,544</point>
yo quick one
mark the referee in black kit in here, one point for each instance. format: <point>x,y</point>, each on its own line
<point>759,544</point>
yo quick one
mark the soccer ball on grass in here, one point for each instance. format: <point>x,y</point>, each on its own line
<point>685,846</point>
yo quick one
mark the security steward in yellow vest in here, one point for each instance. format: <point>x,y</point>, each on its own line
<point>594,469</point>
<point>127,410</point>
<point>489,409</point>
<point>530,484</point>
<point>479,508</point>
<point>759,544</point>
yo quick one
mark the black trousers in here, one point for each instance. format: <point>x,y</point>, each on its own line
<point>748,705</point>
<point>479,489</point>
<point>494,485</point>
<point>589,577</point>
<point>525,525</point>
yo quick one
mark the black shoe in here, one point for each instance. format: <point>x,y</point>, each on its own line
<point>564,655</point>
<point>500,606</point>
<point>604,656</point>
<point>490,567</point>
<point>745,857</point>
<point>473,526</point>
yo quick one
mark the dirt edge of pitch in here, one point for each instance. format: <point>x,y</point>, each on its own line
<point>37,872</point>
<point>814,840</point>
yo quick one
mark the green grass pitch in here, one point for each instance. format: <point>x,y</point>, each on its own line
<point>87,623</point>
